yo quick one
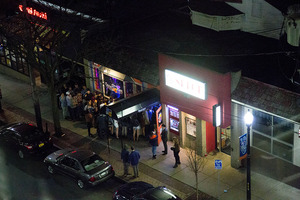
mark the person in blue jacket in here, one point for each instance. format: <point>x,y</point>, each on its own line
<point>134,158</point>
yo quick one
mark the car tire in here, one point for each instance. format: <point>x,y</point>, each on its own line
<point>80,184</point>
<point>50,169</point>
<point>21,154</point>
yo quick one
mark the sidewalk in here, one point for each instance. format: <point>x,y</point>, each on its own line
<point>227,183</point>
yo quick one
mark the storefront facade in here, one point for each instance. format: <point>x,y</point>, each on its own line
<point>112,83</point>
<point>188,95</point>
<point>274,133</point>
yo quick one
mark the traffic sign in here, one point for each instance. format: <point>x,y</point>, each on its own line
<point>218,164</point>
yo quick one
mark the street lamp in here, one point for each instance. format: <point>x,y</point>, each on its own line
<point>248,120</point>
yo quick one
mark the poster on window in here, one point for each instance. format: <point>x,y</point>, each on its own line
<point>190,126</point>
<point>113,87</point>
<point>174,120</point>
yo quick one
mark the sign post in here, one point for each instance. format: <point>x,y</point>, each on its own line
<point>218,165</point>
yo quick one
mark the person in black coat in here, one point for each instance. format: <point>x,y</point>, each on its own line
<point>102,125</point>
<point>164,138</point>
<point>125,159</point>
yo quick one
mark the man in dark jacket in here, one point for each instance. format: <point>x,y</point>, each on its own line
<point>164,138</point>
<point>125,159</point>
<point>134,158</point>
<point>102,125</point>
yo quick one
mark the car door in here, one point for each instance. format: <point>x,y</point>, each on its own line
<point>70,167</point>
<point>13,139</point>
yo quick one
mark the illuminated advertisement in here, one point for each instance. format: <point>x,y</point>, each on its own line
<point>113,87</point>
<point>185,84</point>
<point>174,119</point>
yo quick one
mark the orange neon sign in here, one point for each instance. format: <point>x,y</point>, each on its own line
<point>34,12</point>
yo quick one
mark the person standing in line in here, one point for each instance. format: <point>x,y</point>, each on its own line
<point>136,128</point>
<point>134,158</point>
<point>125,159</point>
<point>176,150</point>
<point>70,105</point>
<point>102,125</point>
<point>164,138</point>
<point>116,127</point>
<point>88,110</point>
<point>154,143</point>
<point>64,106</point>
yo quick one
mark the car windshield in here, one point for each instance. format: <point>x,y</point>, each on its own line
<point>92,163</point>
<point>159,194</point>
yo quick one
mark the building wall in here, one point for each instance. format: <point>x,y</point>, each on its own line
<point>260,18</point>
<point>218,88</point>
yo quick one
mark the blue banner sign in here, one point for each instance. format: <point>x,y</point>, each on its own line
<point>243,146</point>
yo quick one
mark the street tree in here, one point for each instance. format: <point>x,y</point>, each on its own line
<point>196,163</point>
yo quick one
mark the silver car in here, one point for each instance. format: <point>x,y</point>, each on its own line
<point>85,166</point>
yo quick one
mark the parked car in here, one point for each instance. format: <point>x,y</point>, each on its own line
<point>86,167</point>
<point>25,138</point>
<point>143,190</point>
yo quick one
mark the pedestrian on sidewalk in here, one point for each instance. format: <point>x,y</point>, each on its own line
<point>154,143</point>
<point>125,159</point>
<point>102,125</point>
<point>136,127</point>
<point>63,105</point>
<point>70,105</point>
<point>134,158</point>
<point>176,150</point>
<point>164,138</point>
<point>88,114</point>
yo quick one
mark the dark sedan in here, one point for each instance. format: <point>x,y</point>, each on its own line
<point>86,167</point>
<point>25,138</point>
<point>143,190</point>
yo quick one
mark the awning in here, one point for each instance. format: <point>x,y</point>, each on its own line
<point>126,107</point>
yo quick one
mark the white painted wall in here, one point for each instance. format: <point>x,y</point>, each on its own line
<point>260,18</point>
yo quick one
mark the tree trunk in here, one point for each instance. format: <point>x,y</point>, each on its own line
<point>35,98</point>
<point>55,111</point>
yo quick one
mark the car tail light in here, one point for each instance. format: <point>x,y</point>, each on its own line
<point>92,179</point>
<point>28,146</point>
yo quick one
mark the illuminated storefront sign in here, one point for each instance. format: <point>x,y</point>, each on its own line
<point>33,12</point>
<point>185,84</point>
<point>217,115</point>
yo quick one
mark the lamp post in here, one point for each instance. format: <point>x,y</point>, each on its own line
<point>248,120</point>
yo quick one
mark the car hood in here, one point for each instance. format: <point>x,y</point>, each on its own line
<point>57,154</point>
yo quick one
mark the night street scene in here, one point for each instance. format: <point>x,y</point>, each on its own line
<point>149,99</point>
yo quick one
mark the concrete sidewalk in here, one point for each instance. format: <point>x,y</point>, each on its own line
<point>227,183</point>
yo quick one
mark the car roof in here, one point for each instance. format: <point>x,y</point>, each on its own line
<point>22,128</point>
<point>135,188</point>
<point>161,193</point>
<point>80,154</point>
